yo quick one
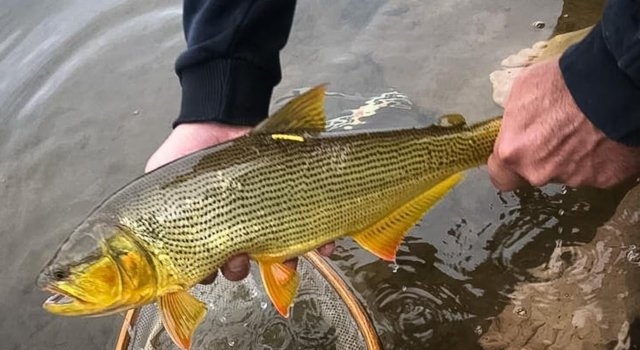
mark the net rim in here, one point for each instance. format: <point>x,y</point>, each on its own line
<point>360,316</point>
<point>129,321</point>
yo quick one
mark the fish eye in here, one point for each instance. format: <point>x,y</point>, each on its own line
<point>60,273</point>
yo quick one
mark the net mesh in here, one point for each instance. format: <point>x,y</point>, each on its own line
<point>240,316</point>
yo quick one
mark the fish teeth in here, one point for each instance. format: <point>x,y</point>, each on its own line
<point>59,299</point>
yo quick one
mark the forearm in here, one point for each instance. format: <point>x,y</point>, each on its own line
<point>603,72</point>
<point>232,63</point>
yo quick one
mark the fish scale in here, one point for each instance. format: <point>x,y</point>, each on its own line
<point>277,202</point>
<point>275,194</point>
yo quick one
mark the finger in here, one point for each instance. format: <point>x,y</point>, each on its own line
<point>327,249</point>
<point>502,177</point>
<point>209,279</point>
<point>236,268</point>
<point>293,263</point>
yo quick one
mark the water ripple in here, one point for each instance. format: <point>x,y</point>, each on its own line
<point>91,49</point>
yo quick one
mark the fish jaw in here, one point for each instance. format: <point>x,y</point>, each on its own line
<point>118,277</point>
<point>64,304</point>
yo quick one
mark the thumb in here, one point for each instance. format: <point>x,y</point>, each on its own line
<point>502,177</point>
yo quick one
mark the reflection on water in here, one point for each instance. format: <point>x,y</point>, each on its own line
<point>440,297</point>
<point>87,93</point>
<point>584,295</point>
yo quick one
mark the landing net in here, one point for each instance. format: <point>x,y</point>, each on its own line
<point>326,314</point>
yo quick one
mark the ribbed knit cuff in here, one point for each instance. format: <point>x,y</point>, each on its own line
<point>227,91</point>
<point>604,93</point>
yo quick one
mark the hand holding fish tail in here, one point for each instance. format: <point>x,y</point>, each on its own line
<point>545,138</point>
<point>191,137</point>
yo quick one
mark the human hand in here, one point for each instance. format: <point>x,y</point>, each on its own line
<point>546,138</point>
<point>191,137</point>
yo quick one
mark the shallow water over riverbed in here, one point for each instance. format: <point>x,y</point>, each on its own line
<point>87,92</point>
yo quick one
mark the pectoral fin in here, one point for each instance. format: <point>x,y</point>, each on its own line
<point>384,237</point>
<point>181,315</point>
<point>281,283</point>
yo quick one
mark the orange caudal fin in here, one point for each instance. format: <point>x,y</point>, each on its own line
<point>384,237</point>
<point>281,284</point>
<point>181,315</point>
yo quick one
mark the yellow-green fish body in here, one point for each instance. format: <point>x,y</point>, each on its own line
<point>278,197</point>
<point>277,193</point>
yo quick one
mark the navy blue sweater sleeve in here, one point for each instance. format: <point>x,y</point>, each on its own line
<point>232,63</point>
<point>603,72</point>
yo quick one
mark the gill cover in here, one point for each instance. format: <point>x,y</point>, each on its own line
<point>115,274</point>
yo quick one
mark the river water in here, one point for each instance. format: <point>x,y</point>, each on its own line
<point>87,92</point>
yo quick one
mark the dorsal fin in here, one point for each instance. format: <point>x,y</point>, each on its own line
<point>303,113</point>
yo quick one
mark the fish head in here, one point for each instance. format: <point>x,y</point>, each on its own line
<point>101,269</point>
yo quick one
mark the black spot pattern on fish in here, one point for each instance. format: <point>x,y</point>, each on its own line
<point>265,197</point>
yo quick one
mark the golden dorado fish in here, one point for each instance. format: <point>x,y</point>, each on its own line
<point>277,193</point>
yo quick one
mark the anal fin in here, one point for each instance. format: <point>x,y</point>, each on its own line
<point>384,237</point>
<point>181,315</point>
<point>281,284</point>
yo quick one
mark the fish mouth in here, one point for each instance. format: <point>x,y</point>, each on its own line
<point>60,297</point>
<point>63,303</point>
